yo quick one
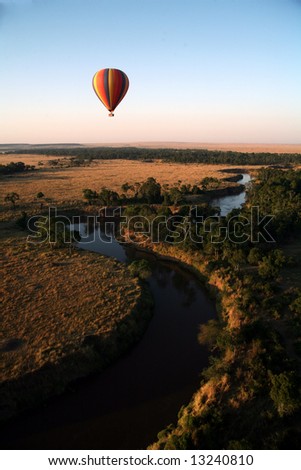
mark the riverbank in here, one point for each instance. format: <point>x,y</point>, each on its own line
<point>64,315</point>
<point>250,360</point>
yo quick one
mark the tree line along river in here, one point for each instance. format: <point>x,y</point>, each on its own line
<point>125,406</point>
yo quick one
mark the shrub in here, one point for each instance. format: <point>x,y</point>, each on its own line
<point>284,392</point>
<point>254,256</point>
<point>140,268</point>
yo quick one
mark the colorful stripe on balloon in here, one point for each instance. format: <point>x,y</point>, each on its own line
<point>110,85</point>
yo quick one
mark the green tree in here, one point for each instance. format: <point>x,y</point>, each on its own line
<point>135,189</point>
<point>284,392</point>
<point>40,196</point>
<point>295,306</point>
<point>166,199</point>
<point>175,195</point>
<point>278,258</point>
<point>237,258</point>
<point>140,268</point>
<point>12,198</point>
<point>270,265</point>
<point>147,210</point>
<point>254,256</point>
<point>150,190</point>
<point>185,189</point>
<point>209,183</point>
<point>107,197</point>
<point>126,187</point>
<point>164,210</point>
<point>195,189</point>
<point>131,211</point>
<point>266,268</point>
<point>90,196</point>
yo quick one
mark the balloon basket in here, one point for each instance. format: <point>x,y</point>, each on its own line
<point>111,115</point>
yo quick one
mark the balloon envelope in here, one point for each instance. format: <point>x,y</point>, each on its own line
<point>110,85</point>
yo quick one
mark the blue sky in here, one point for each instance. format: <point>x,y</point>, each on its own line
<point>199,70</point>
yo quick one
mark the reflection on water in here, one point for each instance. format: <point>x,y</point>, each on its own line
<point>186,287</point>
<point>228,203</point>
<point>95,239</point>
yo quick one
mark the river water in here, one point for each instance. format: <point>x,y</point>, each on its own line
<point>227,203</point>
<point>125,406</point>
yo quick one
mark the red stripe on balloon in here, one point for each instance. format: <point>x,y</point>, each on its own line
<point>110,85</point>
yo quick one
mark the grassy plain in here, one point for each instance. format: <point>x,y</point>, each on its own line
<point>63,314</point>
<point>66,184</point>
<point>52,301</point>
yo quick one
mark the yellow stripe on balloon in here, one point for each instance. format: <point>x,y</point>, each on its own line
<point>96,89</point>
<point>111,86</point>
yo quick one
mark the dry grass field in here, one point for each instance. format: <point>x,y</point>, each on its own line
<point>29,159</point>
<point>52,300</point>
<point>66,184</point>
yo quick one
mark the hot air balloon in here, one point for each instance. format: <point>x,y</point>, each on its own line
<point>110,85</point>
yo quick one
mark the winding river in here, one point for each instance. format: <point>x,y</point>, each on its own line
<point>125,406</point>
<point>227,203</point>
